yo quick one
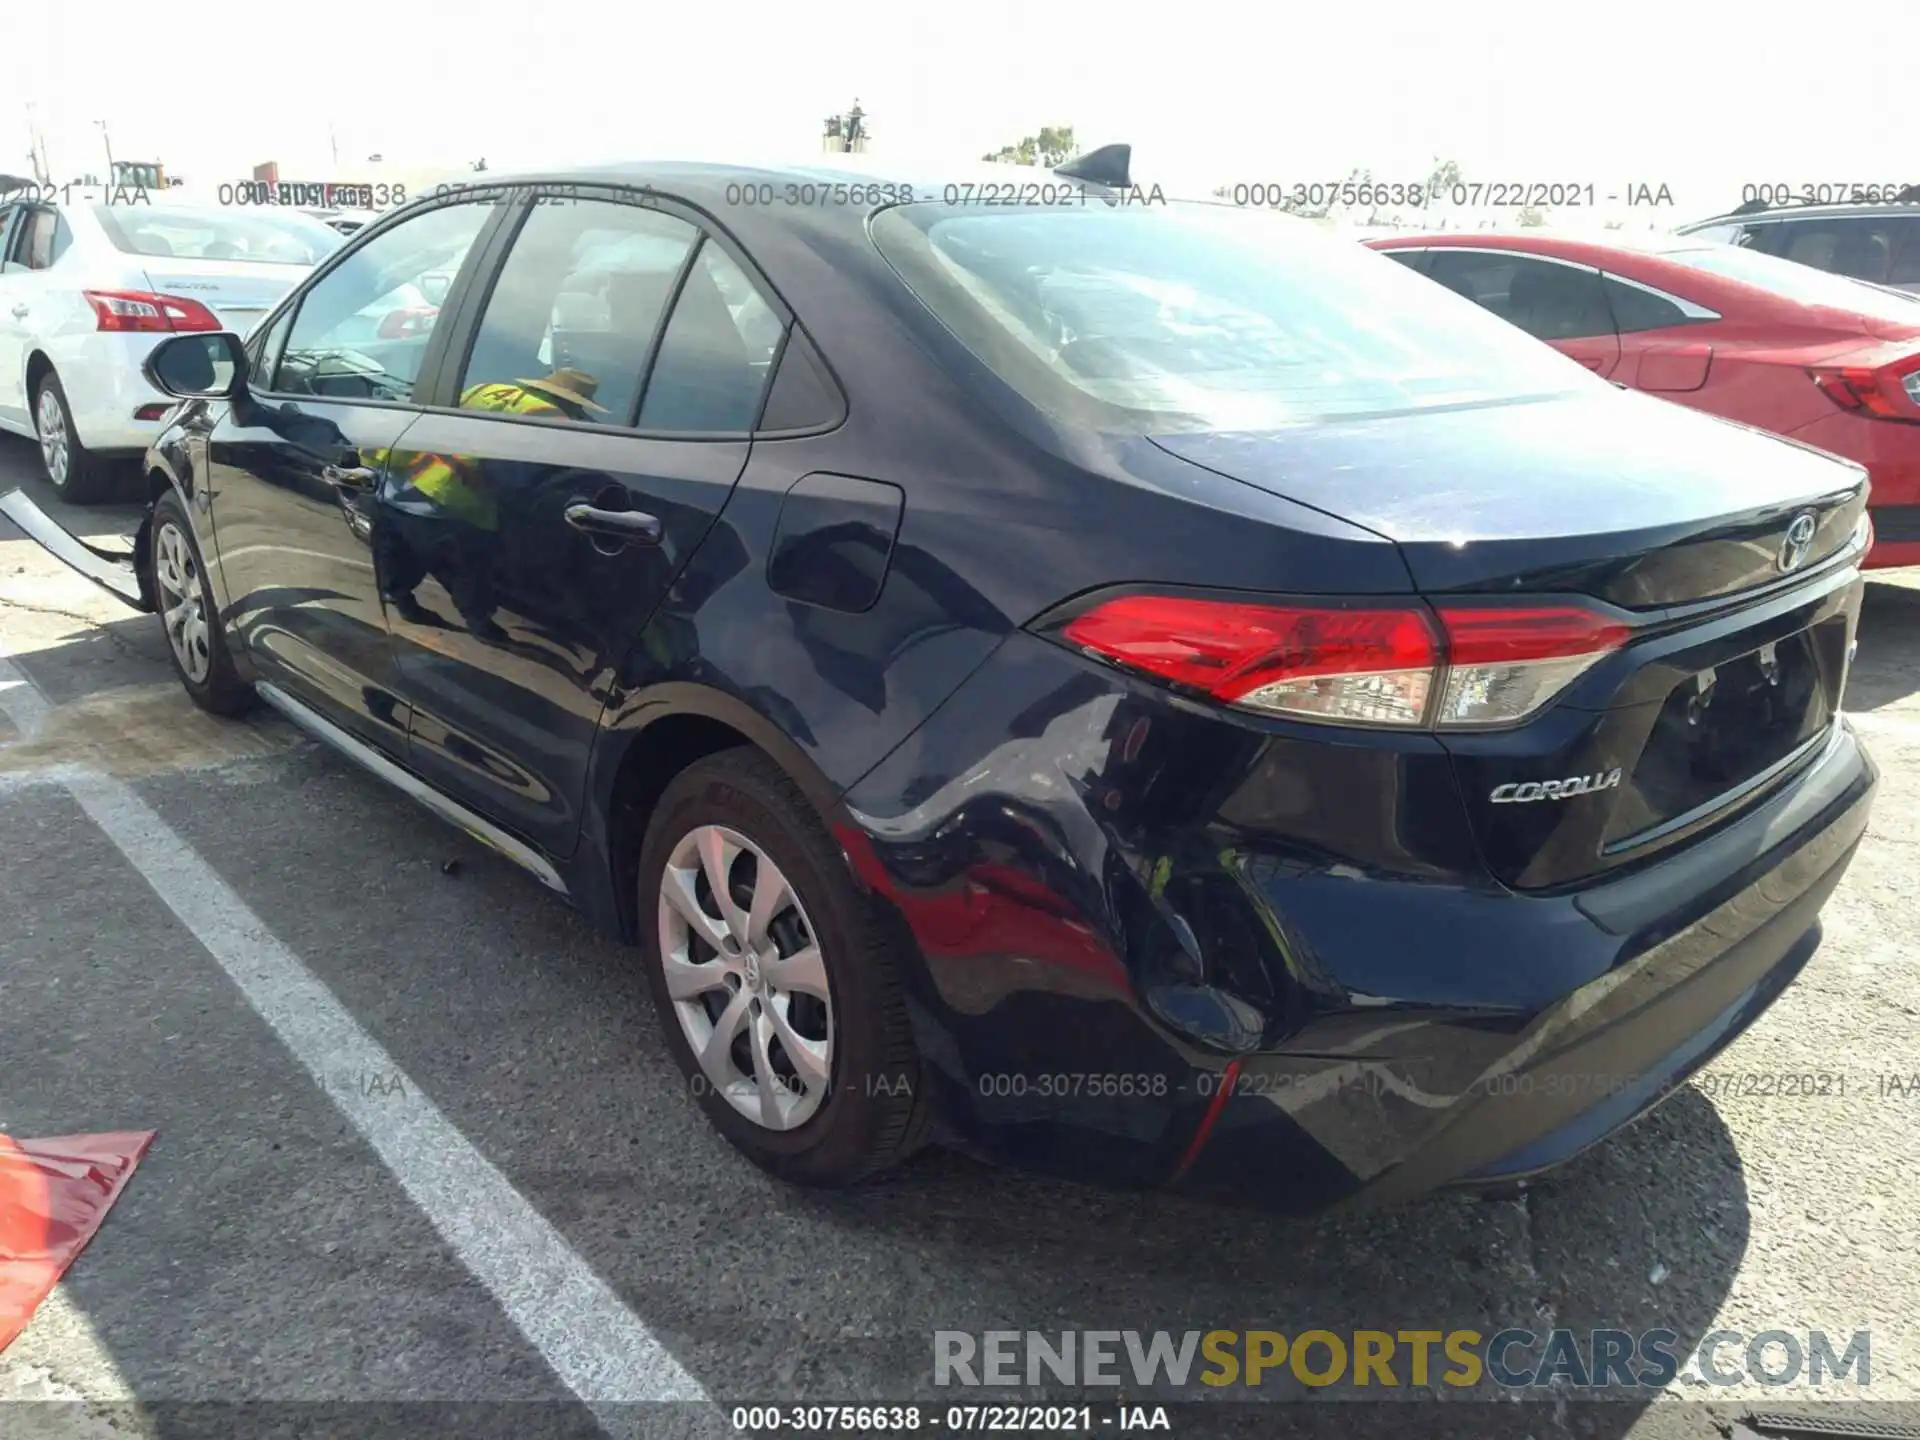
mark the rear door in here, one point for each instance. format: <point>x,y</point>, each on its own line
<point>34,241</point>
<point>589,427</point>
<point>1666,342</point>
<point>1553,300</point>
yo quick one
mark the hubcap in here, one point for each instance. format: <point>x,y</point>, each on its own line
<point>182,606</point>
<point>53,436</point>
<point>746,977</point>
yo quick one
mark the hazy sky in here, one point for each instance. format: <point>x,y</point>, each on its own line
<point>1668,93</point>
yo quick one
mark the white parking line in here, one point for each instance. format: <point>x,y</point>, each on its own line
<point>598,1347</point>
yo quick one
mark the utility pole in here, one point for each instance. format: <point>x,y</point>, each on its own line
<point>107,140</point>
<point>37,155</point>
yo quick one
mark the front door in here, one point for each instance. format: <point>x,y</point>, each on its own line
<point>292,470</point>
<point>536,531</point>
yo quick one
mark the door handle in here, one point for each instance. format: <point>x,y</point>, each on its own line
<point>349,477</point>
<point>20,312</point>
<point>628,526</point>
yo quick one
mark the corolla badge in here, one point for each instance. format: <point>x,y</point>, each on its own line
<point>1521,794</point>
<point>1793,550</point>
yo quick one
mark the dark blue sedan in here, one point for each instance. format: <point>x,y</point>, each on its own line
<point>1143,690</point>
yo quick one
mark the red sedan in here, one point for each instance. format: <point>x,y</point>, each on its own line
<point>1819,358</point>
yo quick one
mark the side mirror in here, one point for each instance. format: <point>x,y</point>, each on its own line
<point>206,365</point>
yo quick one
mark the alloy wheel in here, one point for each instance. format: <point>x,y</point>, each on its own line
<point>746,977</point>
<point>182,603</point>
<point>53,436</point>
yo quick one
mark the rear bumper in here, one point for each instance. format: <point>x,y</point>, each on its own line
<point>1159,947</point>
<point>104,386</point>
<point>1703,943</point>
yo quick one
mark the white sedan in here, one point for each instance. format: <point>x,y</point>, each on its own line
<point>87,289</point>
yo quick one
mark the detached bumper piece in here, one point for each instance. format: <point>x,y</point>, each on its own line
<point>111,569</point>
<point>53,1195</point>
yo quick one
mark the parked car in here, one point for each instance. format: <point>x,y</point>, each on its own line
<point>1146,691</point>
<point>1813,357</point>
<point>1878,243</point>
<point>345,221</point>
<point>88,288</point>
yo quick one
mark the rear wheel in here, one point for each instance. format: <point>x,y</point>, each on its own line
<point>774,985</point>
<point>80,476</point>
<point>196,640</point>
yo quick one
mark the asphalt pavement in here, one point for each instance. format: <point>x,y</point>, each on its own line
<point>418,1139</point>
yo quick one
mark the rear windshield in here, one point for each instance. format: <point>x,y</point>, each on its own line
<point>286,238</point>
<point>1794,281</point>
<point>1160,318</point>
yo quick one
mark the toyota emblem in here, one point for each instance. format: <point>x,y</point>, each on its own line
<point>1793,550</point>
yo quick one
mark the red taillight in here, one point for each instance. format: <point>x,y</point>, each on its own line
<point>143,312</point>
<point>1887,391</point>
<point>1505,662</point>
<point>1403,665</point>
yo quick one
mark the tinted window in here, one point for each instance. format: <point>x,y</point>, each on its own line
<point>1637,309</point>
<point>1800,282</point>
<point>1547,300</point>
<point>1904,268</point>
<point>1862,247</point>
<point>363,329</point>
<point>36,242</point>
<point>1415,260</point>
<point>1203,317</point>
<point>804,396</point>
<point>266,353</point>
<point>1718,234</point>
<point>716,354</point>
<point>184,233</point>
<point>575,309</point>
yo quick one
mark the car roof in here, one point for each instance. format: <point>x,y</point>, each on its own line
<point>1849,211</point>
<point>710,183</point>
<point>1566,247</point>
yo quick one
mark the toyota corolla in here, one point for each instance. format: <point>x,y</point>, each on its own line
<point>1141,690</point>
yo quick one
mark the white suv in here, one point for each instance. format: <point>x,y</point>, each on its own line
<point>88,288</point>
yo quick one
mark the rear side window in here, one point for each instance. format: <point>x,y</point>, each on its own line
<point>572,317</point>
<point>1162,318</point>
<point>190,233</point>
<point>717,353</point>
<point>1547,300</point>
<point>1801,283</point>
<point>1414,260</point>
<point>1880,249</point>
<point>1635,309</point>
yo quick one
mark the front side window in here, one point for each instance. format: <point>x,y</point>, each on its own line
<point>571,320</point>
<point>183,232</point>
<point>362,331</point>
<point>1161,318</point>
<point>1547,300</point>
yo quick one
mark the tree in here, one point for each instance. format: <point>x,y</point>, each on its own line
<point>1531,217</point>
<point>1051,148</point>
<point>1446,175</point>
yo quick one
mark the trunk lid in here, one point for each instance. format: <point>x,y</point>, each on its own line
<point>1630,499</point>
<point>1733,673</point>
<point>240,292</point>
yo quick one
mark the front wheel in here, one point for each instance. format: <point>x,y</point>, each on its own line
<point>777,992</point>
<point>196,640</point>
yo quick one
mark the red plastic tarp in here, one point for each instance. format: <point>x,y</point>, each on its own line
<point>53,1195</point>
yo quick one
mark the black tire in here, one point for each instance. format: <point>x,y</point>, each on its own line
<point>87,478</point>
<point>876,1111</point>
<point>220,691</point>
